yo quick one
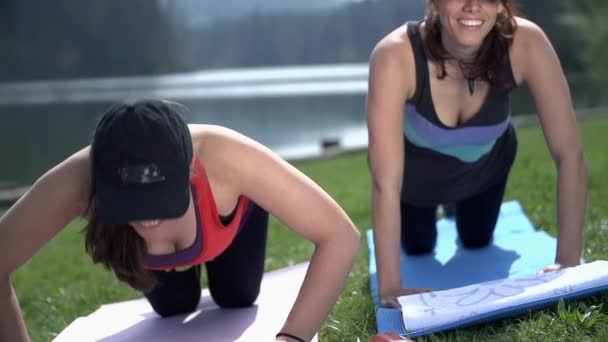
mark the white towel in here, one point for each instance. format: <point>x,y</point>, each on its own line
<point>477,302</point>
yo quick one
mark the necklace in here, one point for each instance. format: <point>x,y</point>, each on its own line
<point>466,68</point>
<point>471,82</point>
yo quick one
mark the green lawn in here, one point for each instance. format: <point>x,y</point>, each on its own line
<point>60,283</point>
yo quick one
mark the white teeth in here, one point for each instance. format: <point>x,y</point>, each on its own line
<point>470,22</point>
<point>150,223</point>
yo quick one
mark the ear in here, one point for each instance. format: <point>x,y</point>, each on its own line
<point>432,5</point>
<point>501,7</point>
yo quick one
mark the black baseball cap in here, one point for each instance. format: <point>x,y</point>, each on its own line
<point>141,157</point>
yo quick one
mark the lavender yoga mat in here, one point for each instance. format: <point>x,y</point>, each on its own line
<point>135,320</point>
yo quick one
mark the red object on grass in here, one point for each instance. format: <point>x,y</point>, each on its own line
<point>388,337</point>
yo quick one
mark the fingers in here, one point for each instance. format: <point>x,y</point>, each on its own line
<point>407,292</point>
<point>389,337</point>
<point>394,303</point>
<point>550,268</point>
<point>424,290</point>
<point>544,270</point>
<point>390,302</point>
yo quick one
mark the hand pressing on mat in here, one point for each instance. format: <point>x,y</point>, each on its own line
<point>389,337</point>
<point>389,300</point>
<point>550,268</point>
<point>555,267</point>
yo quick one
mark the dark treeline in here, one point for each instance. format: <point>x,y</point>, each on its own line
<point>345,35</point>
<point>75,38</point>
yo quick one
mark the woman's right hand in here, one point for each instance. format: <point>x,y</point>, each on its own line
<point>51,203</point>
<point>392,81</point>
<point>389,299</point>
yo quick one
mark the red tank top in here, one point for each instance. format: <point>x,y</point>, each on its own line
<point>212,236</point>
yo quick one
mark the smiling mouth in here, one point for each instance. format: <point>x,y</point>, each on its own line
<point>471,23</point>
<point>149,224</point>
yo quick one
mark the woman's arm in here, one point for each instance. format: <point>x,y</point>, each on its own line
<point>53,201</point>
<point>541,70</point>
<point>391,82</point>
<point>254,171</point>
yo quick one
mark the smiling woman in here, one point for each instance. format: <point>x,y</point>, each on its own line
<point>439,123</point>
<point>477,41</point>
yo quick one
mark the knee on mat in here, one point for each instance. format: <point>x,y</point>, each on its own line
<point>176,305</point>
<point>477,242</point>
<point>418,249</point>
<point>236,299</point>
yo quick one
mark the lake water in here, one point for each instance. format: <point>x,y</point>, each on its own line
<point>295,111</point>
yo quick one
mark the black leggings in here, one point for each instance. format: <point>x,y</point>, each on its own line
<point>475,220</point>
<point>234,276</point>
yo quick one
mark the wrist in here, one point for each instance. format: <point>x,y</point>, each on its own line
<point>389,288</point>
<point>568,259</point>
<point>568,262</point>
<point>283,336</point>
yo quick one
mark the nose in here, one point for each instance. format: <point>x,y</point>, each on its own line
<point>472,5</point>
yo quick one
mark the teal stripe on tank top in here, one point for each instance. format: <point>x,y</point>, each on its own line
<point>468,153</point>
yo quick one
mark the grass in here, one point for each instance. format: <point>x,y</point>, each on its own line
<point>60,283</point>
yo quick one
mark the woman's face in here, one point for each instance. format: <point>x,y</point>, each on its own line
<point>164,230</point>
<point>465,23</point>
<point>158,230</point>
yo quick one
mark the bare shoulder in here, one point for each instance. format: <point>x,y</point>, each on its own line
<point>527,32</point>
<point>392,66</point>
<point>70,180</point>
<point>211,140</point>
<point>62,193</point>
<point>56,198</point>
<point>529,40</point>
<point>394,48</point>
<point>224,152</point>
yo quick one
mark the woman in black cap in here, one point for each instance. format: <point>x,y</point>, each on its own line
<point>161,198</point>
<point>439,112</point>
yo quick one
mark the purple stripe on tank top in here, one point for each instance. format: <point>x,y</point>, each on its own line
<point>438,136</point>
<point>183,256</point>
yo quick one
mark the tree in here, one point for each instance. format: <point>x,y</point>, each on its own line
<point>74,38</point>
<point>550,17</point>
<point>589,20</point>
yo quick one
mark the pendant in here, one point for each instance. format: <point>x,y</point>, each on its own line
<point>471,82</point>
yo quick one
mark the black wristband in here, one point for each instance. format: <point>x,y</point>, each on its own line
<point>290,336</point>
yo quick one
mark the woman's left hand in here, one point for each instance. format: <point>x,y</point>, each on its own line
<point>554,267</point>
<point>550,268</point>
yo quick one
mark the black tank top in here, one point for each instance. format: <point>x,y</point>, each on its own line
<point>446,164</point>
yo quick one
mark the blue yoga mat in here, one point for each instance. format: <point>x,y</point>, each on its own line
<point>517,250</point>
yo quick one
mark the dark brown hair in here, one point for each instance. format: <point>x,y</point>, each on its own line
<point>117,247</point>
<point>493,53</point>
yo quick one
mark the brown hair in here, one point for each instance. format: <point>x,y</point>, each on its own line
<point>494,50</point>
<point>117,247</point>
